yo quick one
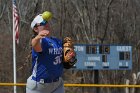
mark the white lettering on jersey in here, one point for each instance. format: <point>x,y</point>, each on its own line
<point>57,60</point>
<point>55,51</point>
<point>50,50</point>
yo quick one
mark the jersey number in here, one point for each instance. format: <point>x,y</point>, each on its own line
<point>58,60</point>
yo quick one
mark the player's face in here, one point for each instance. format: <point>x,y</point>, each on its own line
<point>43,26</point>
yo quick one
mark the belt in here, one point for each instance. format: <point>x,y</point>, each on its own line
<point>45,80</point>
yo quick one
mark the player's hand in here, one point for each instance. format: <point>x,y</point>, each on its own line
<point>42,34</point>
<point>36,41</point>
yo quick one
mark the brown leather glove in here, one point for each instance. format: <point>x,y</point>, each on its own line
<point>69,54</point>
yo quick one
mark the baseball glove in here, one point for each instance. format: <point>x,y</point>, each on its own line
<point>69,55</point>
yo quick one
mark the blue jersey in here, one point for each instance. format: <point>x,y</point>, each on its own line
<point>48,63</point>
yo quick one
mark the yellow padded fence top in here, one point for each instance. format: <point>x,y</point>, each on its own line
<point>78,85</point>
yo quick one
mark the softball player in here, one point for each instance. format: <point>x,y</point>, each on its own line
<point>47,67</point>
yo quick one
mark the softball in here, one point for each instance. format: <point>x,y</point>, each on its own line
<point>47,15</point>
